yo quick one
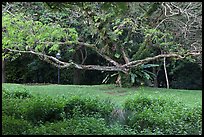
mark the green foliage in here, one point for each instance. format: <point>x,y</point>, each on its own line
<point>30,69</point>
<point>36,109</point>
<point>85,114</point>
<point>152,8</point>
<point>118,7</point>
<point>110,26</point>
<point>17,94</point>
<point>17,70</point>
<point>73,34</point>
<point>23,34</point>
<point>14,107</point>
<point>155,42</point>
<point>79,126</point>
<point>87,106</point>
<point>141,75</point>
<point>13,126</point>
<point>143,51</point>
<point>137,76</point>
<point>158,116</point>
<point>40,110</point>
<point>157,38</point>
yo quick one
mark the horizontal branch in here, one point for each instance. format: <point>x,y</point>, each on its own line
<point>103,68</point>
<point>122,68</point>
<point>62,64</point>
<point>39,54</point>
<point>139,62</point>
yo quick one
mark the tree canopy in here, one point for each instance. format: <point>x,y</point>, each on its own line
<point>127,36</point>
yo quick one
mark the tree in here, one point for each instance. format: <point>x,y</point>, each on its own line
<point>3,71</point>
<point>105,29</point>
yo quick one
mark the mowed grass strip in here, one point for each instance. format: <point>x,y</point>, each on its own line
<point>118,95</point>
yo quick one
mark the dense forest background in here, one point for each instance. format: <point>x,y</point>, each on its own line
<point>185,73</point>
<point>25,70</point>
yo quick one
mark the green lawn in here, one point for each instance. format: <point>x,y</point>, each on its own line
<point>116,94</point>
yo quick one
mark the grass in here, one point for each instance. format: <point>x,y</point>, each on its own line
<point>118,95</point>
<point>59,115</point>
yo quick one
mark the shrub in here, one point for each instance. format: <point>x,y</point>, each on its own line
<point>12,126</point>
<point>158,116</point>
<point>79,126</point>
<point>76,106</point>
<point>36,109</point>
<point>80,115</point>
<point>42,109</point>
<point>13,102</point>
<point>20,93</point>
<point>98,126</point>
<point>13,107</point>
<point>56,128</point>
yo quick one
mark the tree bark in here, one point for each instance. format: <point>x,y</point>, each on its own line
<point>118,80</point>
<point>155,78</point>
<point>3,71</point>
<point>166,76</point>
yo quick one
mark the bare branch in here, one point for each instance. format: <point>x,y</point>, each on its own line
<point>92,46</point>
<point>125,56</point>
<point>62,64</point>
<point>139,62</point>
<point>47,58</point>
<point>124,68</point>
<point>85,55</point>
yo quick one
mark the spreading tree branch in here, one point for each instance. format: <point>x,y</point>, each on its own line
<point>121,68</point>
<point>92,46</point>
<point>56,62</point>
<point>143,61</point>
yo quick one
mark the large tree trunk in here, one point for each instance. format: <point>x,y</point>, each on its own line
<point>3,71</point>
